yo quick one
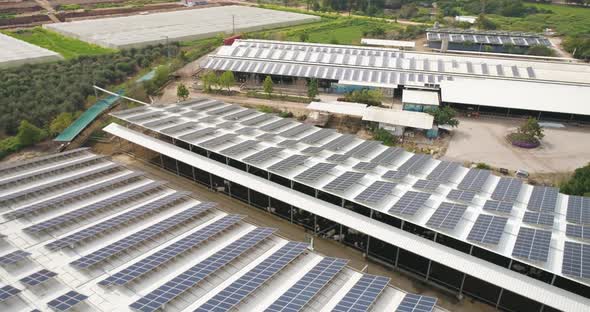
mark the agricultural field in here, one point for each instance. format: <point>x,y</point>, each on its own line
<point>67,47</point>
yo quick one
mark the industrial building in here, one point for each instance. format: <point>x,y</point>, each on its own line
<point>489,85</point>
<point>16,52</point>
<point>83,233</point>
<point>515,246</point>
<point>482,40</point>
<point>160,28</point>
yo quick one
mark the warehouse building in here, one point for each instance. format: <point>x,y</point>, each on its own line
<point>498,86</point>
<point>515,246</point>
<point>16,52</point>
<point>83,233</point>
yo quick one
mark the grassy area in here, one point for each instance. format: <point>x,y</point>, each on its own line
<point>67,47</point>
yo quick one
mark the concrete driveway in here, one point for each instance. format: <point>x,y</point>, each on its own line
<point>482,140</point>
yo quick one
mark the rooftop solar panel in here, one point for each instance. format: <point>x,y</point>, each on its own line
<point>498,206</point>
<point>487,229</point>
<point>197,134</point>
<point>263,155</point>
<point>8,291</point>
<point>363,294</point>
<point>266,137</point>
<point>241,115</point>
<point>532,244</point>
<point>207,105</point>
<point>365,166</point>
<point>140,237</point>
<point>239,148</point>
<point>415,163</point>
<point>409,203</point>
<point>578,209</point>
<point>224,110</point>
<point>474,180</point>
<point>298,295</point>
<point>507,189</point>
<point>578,231</point>
<point>533,217</point>
<point>220,140</point>
<point>315,172</point>
<point>161,122</point>
<point>344,181</point>
<point>13,257</point>
<point>416,303</point>
<point>273,126</point>
<point>543,198</point>
<point>288,143</point>
<point>297,130</point>
<point>461,195</point>
<point>162,295</point>
<point>339,143</point>
<point>138,119</point>
<point>317,136</point>
<point>38,277</point>
<point>162,256</point>
<point>447,216</point>
<point>395,175</point>
<point>426,185</point>
<point>444,171</point>
<point>376,192</point>
<point>288,163</point>
<point>191,125</point>
<point>338,158</point>
<point>66,301</point>
<point>117,221</point>
<point>312,150</point>
<point>576,260</point>
<point>15,166</point>
<point>257,120</point>
<point>245,285</point>
<point>388,156</point>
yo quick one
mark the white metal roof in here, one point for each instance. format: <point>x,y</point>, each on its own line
<point>344,108</point>
<point>399,117</point>
<point>510,280</point>
<point>14,52</point>
<point>421,97</point>
<point>388,43</point>
<point>43,172</point>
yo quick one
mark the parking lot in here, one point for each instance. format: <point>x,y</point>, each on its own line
<point>483,140</point>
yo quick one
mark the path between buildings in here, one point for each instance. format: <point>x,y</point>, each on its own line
<point>50,11</point>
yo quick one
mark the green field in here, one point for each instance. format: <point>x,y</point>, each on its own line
<point>67,47</point>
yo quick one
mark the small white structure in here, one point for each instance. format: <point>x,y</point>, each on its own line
<point>410,45</point>
<point>418,100</point>
<point>343,108</point>
<point>466,19</point>
<point>14,52</point>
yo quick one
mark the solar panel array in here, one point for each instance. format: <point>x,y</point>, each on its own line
<point>257,120</point>
<point>461,195</point>
<point>271,127</point>
<point>264,155</point>
<point>576,260</point>
<point>220,140</point>
<point>409,203</point>
<point>532,244</point>
<point>487,229</point>
<point>444,171</point>
<point>139,237</point>
<point>344,181</point>
<point>196,135</point>
<point>241,115</point>
<point>364,149</point>
<point>162,295</point>
<point>239,148</point>
<point>176,249</point>
<point>365,166</point>
<point>395,175</point>
<point>315,172</point>
<point>426,185</point>
<point>578,231</point>
<point>498,206</point>
<point>533,217</point>
<point>116,221</point>
<point>38,277</point>
<point>233,294</point>
<point>296,297</point>
<point>191,125</point>
<point>376,192</point>
<point>66,301</point>
<point>8,291</point>
<point>312,150</point>
<point>297,130</point>
<point>339,143</point>
<point>13,167</point>
<point>543,198</point>
<point>415,163</point>
<point>507,189</point>
<point>363,294</point>
<point>14,257</point>
<point>338,158</point>
<point>578,209</point>
<point>447,216</point>
<point>416,303</point>
<point>388,156</point>
<point>474,180</point>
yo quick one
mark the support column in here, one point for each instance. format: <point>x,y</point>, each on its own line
<point>499,297</point>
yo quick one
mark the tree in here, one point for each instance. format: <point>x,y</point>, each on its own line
<point>312,88</point>
<point>227,80</point>
<point>28,134</point>
<point>60,123</point>
<point>579,183</point>
<point>182,92</point>
<point>209,80</point>
<point>444,116</point>
<point>531,129</point>
<point>268,85</point>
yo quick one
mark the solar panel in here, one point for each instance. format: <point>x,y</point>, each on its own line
<point>426,185</point>
<point>38,277</point>
<point>301,293</point>
<point>224,110</point>
<point>577,231</point>
<point>66,301</point>
<point>288,163</point>
<point>275,125</point>
<point>14,257</point>
<point>415,163</point>
<point>578,209</point>
<point>220,140</point>
<point>315,172</point>
<point>443,171</point>
<point>312,150</point>
<point>498,206</point>
<point>246,131</point>
<point>239,148</point>
<point>198,134</point>
<point>246,284</point>
<point>161,122</point>
<point>297,130</point>
<point>339,142</point>
<point>409,203</point>
<point>257,120</point>
<point>543,198</point>
<point>288,143</point>
<point>416,303</point>
<point>138,119</point>
<point>8,291</point>
<point>388,156</point>
<point>363,294</point>
<point>207,105</point>
<point>118,201</point>
<point>365,166</point>
<point>363,149</point>
<point>162,295</point>
<point>317,136</point>
<point>338,158</point>
<point>461,195</point>
<point>241,115</point>
<point>138,238</point>
<point>474,180</point>
<point>395,175</point>
<point>344,181</point>
<point>532,244</point>
<point>263,155</point>
<point>191,125</point>
<point>161,257</point>
<point>487,229</point>
<point>447,216</point>
<point>17,166</point>
<point>507,189</point>
<point>116,221</point>
<point>576,260</point>
<point>533,217</point>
